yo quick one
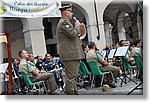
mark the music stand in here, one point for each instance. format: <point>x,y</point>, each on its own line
<point>3,68</point>
<point>103,53</point>
<point>111,53</point>
<point>121,53</point>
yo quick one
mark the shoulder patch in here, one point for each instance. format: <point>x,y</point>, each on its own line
<point>67,26</point>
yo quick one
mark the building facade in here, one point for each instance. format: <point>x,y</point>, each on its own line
<point>106,21</point>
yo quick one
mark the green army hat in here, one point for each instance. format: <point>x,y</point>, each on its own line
<point>64,7</point>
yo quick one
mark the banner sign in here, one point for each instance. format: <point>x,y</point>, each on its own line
<point>30,8</point>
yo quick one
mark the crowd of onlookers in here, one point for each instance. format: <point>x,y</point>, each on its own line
<point>53,64</point>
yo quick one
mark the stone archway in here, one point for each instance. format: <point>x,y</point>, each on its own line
<point>15,27</point>
<point>50,25</point>
<point>112,15</point>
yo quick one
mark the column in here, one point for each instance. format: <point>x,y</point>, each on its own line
<point>34,36</point>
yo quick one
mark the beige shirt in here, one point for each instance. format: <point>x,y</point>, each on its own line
<point>137,52</point>
<point>26,67</point>
<point>91,56</point>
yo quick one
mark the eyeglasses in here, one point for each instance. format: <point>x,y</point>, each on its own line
<point>70,11</point>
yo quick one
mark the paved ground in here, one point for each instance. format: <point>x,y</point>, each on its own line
<point>124,90</point>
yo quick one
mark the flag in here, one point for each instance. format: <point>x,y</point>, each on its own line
<point>3,38</point>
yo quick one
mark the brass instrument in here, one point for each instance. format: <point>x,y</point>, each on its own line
<point>82,29</point>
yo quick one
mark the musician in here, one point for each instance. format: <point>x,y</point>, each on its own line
<point>34,74</point>
<point>53,65</point>
<point>39,62</point>
<point>103,64</point>
<point>137,51</point>
<point>16,82</point>
<point>128,56</point>
<point>17,75</point>
<point>59,73</point>
<point>70,47</point>
<point>48,64</point>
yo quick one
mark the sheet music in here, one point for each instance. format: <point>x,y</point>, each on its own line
<point>3,67</point>
<point>103,53</point>
<point>121,51</point>
<point>111,53</point>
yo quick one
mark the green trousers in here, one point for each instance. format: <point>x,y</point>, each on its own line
<point>50,82</point>
<point>71,70</point>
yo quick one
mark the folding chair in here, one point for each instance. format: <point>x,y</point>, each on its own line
<point>96,71</point>
<point>83,71</point>
<point>31,84</point>
<point>139,64</point>
<point>126,66</point>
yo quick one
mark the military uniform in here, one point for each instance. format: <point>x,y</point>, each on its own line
<point>91,56</point>
<point>70,52</point>
<point>27,67</point>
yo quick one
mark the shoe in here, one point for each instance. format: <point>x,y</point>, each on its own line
<point>112,85</point>
<point>72,93</point>
<point>76,93</point>
<point>53,93</point>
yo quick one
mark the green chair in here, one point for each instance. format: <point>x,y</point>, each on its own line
<point>84,69</point>
<point>139,64</point>
<point>83,72</point>
<point>126,64</point>
<point>128,67</point>
<point>31,84</point>
<point>80,71</point>
<point>96,71</point>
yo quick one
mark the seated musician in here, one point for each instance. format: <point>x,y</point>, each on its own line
<point>15,80</point>
<point>128,56</point>
<point>53,65</point>
<point>34,74</point>
<point>137,51</point>
<point>103,65</point>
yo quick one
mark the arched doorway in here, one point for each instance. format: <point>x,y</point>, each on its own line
<point>50,25</point>
<point>15,27</point>
<point>115,14</point>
